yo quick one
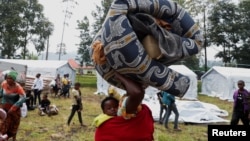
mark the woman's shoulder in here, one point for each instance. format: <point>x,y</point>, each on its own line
<point>4,83</point>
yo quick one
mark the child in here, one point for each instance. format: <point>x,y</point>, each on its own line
<point>132,116</point>
<point>240,105</point>
<point>44,105</point>
<point>76,104</point>
<point>3,116</point>
<point>109,107</point>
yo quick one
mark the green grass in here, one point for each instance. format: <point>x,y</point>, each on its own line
<point>87,80</point>
<point>54,128</point>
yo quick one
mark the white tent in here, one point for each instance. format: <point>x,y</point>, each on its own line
<point>221,82</point>
<point>47,68</point>
<point>102,85</point>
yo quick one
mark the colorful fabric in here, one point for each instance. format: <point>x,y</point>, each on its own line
<point>120,38</point>
<point>100,119</point>
<point>13,98</point>
<point>122,109</point>
<point>140,128</point>
<point>113,92</point>
<point>11,123</point>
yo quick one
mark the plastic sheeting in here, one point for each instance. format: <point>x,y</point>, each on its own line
<point>190,111</point>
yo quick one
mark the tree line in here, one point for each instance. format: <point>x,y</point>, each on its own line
<point>22,22</point>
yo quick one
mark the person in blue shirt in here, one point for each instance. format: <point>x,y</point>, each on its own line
<point>163,107</point>
<point>169,100</point>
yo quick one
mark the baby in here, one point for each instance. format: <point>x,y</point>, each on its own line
<point>3,116</point>
<point>109,107</point>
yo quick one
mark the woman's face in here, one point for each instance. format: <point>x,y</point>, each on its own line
<point>9,80</point>
<point>110,108</point>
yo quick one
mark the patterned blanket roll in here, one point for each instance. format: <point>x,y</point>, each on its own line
<point>121,43</point>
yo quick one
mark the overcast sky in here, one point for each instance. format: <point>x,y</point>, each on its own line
<point>54,10</point>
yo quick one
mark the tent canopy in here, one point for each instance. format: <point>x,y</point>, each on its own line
<point>221,82</point>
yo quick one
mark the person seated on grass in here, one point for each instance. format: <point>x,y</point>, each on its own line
<point>133,121</point>
<point>44,107</point>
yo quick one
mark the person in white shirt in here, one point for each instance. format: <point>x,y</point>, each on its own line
<point>37,88</point>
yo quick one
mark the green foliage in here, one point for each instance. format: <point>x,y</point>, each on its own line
<point>22,22</point>
<point>86,35</point>
<point>86,39</point>
<point>229,26</point>
<point>99,15</point>
<point>224,29</point>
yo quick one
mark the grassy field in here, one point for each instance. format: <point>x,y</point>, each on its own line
<point>54,128</point>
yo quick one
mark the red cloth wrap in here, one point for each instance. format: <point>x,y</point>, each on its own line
<point>139,128</point>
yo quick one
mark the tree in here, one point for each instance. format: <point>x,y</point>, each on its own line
<point>86,40</point>
<point>100,14</point>
<point>22,22</point>
<point>229,29</point>
<point>86,35</point>
<point>223,29</point>
<point>9,26</point>
<point>241,54</point>
<point>69,5</point>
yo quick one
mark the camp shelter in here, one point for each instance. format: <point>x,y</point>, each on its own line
<point>102,85</point>
<point>47,68</point>
<point>221,82</point>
